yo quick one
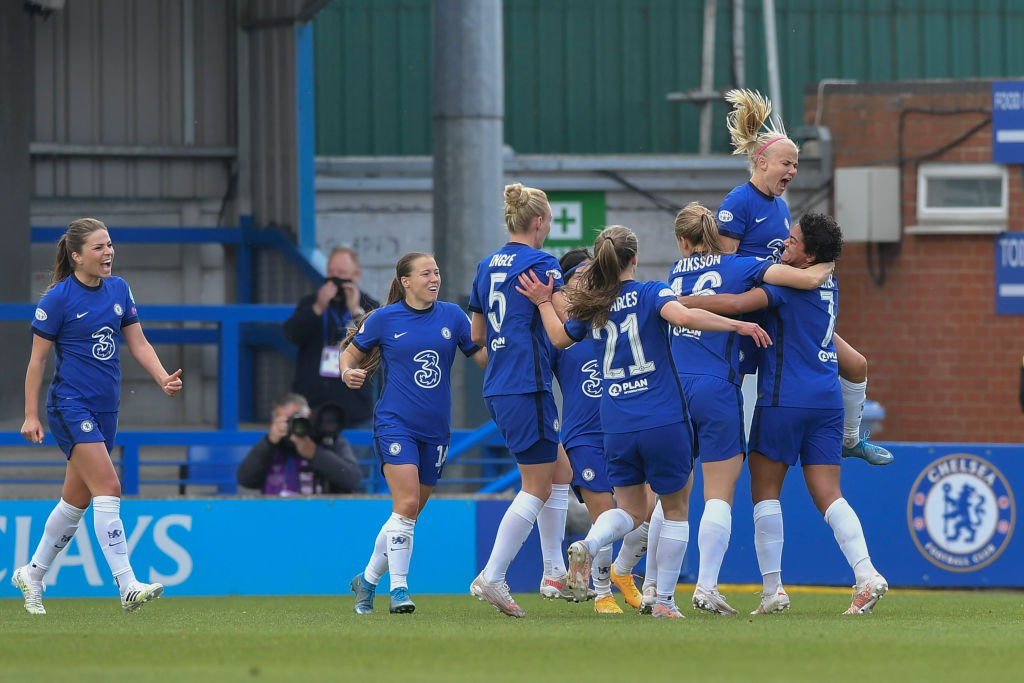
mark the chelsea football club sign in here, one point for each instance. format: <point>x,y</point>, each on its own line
<point>961,512</point>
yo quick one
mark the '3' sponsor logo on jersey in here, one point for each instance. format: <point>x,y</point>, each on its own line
<point>429,374</point>
<point>105,347</point>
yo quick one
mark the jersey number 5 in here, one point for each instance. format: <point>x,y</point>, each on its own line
<point>496,302</point>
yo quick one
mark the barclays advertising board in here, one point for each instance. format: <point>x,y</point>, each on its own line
<point>940,515</point>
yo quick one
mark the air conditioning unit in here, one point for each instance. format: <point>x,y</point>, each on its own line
<point>868,203</point>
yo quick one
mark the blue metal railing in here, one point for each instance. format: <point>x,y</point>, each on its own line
<point>128,443</point>
<point>229,320</point>
<point>230,334</point>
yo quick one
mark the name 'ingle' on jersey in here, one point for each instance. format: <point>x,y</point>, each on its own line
<point>801,370</point>
<point>518,352</point>
<point>759,221</point>
<point>417,351</point>
<point>640,386</point>
<point>712,353</point>
<point>85,325</point>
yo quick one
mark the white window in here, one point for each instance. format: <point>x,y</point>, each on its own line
<point>961,198</point>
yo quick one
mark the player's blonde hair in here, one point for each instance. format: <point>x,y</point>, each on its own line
<point>522,205</point>
<point>751,113</point>
<point>697,224</point>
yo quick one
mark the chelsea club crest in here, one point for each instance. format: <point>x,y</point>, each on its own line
<point>961,512</point>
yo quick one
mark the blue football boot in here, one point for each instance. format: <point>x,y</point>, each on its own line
<point>401,603</point>
<point>865,450</point>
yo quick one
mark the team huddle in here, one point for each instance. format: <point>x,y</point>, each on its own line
<point>650,377</point>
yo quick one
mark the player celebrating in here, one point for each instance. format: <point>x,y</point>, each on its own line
<point>643,411</point>
<point>517,382</point>
<point>87,314</point>
<point>708,364</point>
<point>413,339</point>
<point>799,414</point>
<point>579,379</point>
<point>754,221</point>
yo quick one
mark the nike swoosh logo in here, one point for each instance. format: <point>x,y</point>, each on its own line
<point>399,334</point>
<point>82,315</point>
<point>758,220</point>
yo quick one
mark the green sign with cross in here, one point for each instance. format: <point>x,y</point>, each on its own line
<point>577,218</point>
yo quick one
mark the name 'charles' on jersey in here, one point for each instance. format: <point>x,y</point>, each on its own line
<point>641,387</point>
<point>517,347</point>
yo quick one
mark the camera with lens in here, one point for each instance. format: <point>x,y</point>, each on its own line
<point>324,427</point>
<point>339,283</point>
<point>300,425</point>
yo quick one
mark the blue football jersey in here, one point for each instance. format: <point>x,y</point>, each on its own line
<point>640,387</point>
<point>760,222</point>
<point>712,353</point>
<point>517,346</point>
<point>801,370</point>
<point>579,378</point>
<point>417,349</point>
<point>84,323</point>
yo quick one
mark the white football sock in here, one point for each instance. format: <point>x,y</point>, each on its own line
<point>854,395</point>
<point>106,520</point>
<point>634,545</point>
<point>768,540</point>
<point>399,531</point>
<point>850,536</point>
<point>713,540</point>
<point>653,534</point>
<point>610,526</point>
<point>600,571</point>
<point>551,526</point>
<point>516,525</point>
<point>671,549</point>
<point>57,533</point>
<point>378,563</point>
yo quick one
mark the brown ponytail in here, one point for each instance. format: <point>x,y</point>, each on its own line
<point>71,242</point>
<point>396,292</point>
<point>614,249</point>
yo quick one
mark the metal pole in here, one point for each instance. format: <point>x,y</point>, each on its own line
<point>739,64</point>
<point>707,78</point>
<point>468,113</point>
<point>771,50</point>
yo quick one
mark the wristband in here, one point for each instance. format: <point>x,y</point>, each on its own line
<point>343,374</point>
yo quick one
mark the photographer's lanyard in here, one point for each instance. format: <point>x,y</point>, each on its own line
<point>330,358</point>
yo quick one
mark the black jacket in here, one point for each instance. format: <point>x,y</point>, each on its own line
<point>305,329</point>
<point>335,468</point>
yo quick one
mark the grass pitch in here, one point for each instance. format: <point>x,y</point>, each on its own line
<point>913,636</point>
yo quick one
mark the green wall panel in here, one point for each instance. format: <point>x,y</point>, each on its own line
<point>590,76</point>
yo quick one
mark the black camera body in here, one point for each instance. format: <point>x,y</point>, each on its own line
<point>323,427</point>
<point>339,283</point>
<point>300,425</point>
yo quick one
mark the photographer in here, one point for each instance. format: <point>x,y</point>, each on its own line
<point>299,455</point>
<point>318,326</point>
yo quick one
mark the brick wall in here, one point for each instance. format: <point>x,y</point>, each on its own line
<point>943,365</point>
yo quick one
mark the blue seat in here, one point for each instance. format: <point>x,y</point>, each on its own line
<point>212,466</point>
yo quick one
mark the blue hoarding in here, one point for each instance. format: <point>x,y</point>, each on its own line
<point>1009,273</point>
<point>1008,122</point>
<point>940,515</point>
